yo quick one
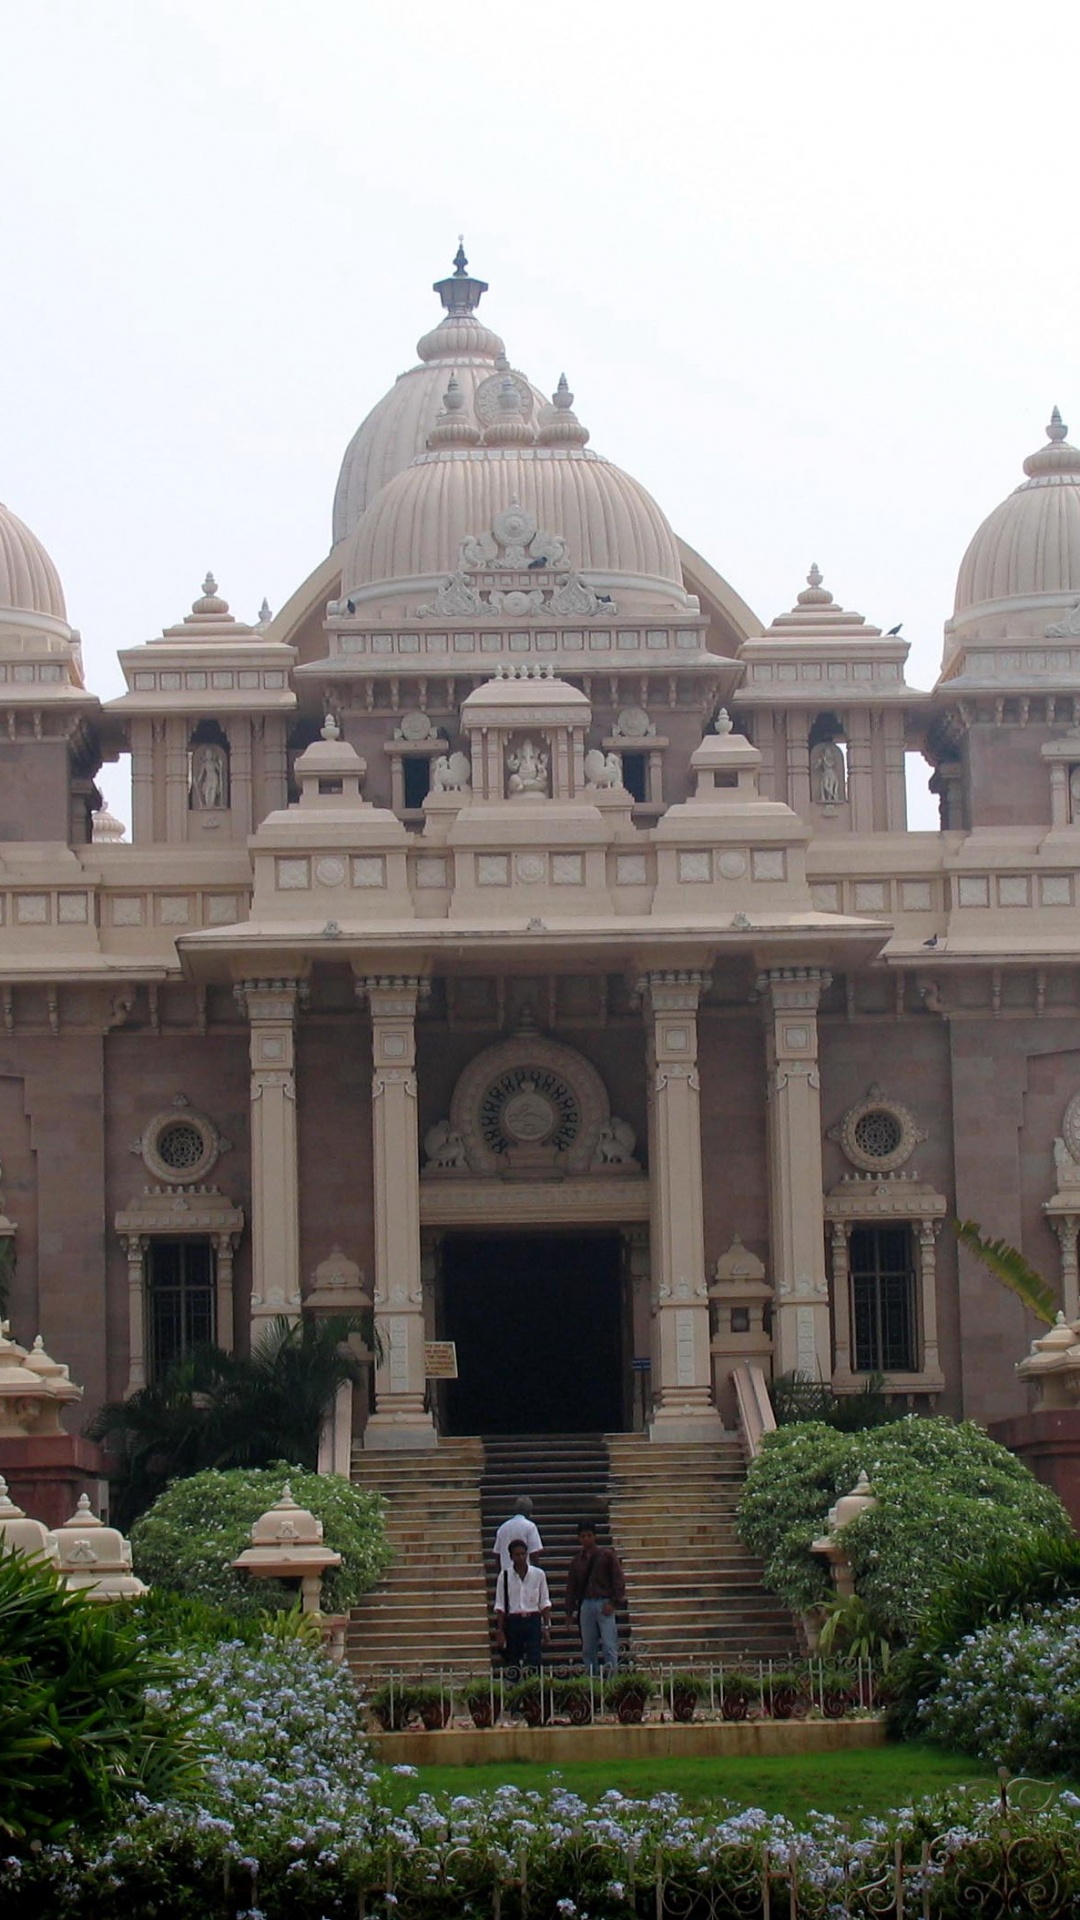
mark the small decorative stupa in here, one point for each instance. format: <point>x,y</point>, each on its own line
<point>95,1558</point>
<point>847,1508</point>
<point>20,1534</point>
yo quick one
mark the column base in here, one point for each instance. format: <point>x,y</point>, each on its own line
<point>398,1433</point>
<point>683,1424</point>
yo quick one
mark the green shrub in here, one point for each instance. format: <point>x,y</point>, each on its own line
<point>77,1734</point>
<point>799,1396</point>
<point>187,1541</point>
<point>1011,1693</point>
<point>943,1486</point>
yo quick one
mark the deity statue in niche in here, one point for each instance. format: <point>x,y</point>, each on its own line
<point>827,774</point>
<point>1074,795</point>
<point>209,778</point>
<point>527,768</point>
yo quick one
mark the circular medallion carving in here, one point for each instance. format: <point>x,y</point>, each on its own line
<point>415,725</point>
<point>486,408</point>
<point>732,866</point>
<point>529,1101</point>
<point>530,867</point>
<point>330,871</point>
<point>633,723</point>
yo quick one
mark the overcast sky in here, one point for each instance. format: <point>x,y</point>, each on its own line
<point>812,272</point>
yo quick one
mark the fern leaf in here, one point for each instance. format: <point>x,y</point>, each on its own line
<point>1008,1265</point>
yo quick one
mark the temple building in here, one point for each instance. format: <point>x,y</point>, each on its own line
<point>518,936</point>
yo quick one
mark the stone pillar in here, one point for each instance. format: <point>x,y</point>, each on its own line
<point>1065,1226</point>
<point>271,1007</point>
<point>683,1407</point>
<point>400,1418</point>
<point>135,1246</point>
<point>224,1248</point>
<point>801,1335</point>
<point>860,771</point>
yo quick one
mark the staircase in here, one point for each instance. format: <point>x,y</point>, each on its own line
<point>430,1609</point>
<point>566,1478</point>
<point>695,1591</point>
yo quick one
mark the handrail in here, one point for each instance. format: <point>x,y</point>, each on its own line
<point>756,1417</point>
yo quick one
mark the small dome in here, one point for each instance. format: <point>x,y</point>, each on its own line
<point>29,583</point>
<point>397,429</point>
<point>412,533</point>
<point>1029,547</point>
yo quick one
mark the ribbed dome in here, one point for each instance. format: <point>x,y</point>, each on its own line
<point>29,583</point>
<point>413,530</point>
<point>397,429</point>
<point>1029,547</point>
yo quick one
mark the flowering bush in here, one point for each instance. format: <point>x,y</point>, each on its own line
<point>551,1854</point>
<point>1011,1693</point>
<point>943,1486</point>
<point>195,1529</point>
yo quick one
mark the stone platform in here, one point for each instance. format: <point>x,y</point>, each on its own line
<point>655,1740</point>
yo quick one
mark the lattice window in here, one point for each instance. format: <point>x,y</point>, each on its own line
<point>180,1298</point>
<point>884,1315</point>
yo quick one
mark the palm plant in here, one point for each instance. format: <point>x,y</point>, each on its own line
<point>1008,1265</point>
<point>216,1409</point>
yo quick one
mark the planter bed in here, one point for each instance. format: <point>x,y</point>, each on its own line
<point>553,1745</point>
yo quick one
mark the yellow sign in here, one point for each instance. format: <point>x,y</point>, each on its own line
<point>440,1360</point>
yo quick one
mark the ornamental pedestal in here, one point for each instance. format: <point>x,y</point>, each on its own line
<point>801,1332</point>
<point>683,1408</point>
<point>401,1418</point>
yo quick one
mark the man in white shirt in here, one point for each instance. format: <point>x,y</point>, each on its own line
<point>522,1610</point>
<point>518,1527</point>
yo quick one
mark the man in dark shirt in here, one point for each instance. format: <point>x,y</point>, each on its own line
<point>594,1589</point>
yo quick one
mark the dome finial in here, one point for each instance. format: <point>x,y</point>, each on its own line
<point>559,425</point>
<point>1057,430</point>
<point>460,293</point>
<point>814,594</point>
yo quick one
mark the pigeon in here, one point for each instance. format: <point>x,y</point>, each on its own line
<point>893,631</point>
<point>540,562</point>
<point>932,942</point>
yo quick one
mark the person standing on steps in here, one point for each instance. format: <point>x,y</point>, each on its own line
<point>595,1588</point>
<point>522,1610</point>
<point>518,1527</point>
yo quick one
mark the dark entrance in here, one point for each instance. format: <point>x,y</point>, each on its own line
<point>538,1321</point>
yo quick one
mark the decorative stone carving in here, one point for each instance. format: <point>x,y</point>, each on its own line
<point>877,1135</point>
<point>180,1146</point>
<point>528,770</point>
<point>862,1499</point>
<point>1068,627</point>
<point>445,1149</point>
<point>209,778</point>
<point>574,598</point>
<point>515,544</point>
<point>1074,795</point>
<point>1053,1367</point>
<point>416,726</point>
<point>615,1144</point>
<point>633,723</point>
<point>603,769</point>
<point>827,778</point>
<point>457,600</point>
<point>488,393</point>
<point>451,773</point>
<point>519,601</point>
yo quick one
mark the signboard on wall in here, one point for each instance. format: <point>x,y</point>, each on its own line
<point>440,1360</point>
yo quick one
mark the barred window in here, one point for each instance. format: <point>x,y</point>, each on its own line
<point>180,1301</point>
<point>883,1295</point>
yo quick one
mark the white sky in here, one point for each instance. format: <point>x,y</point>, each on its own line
<point>812,272</point>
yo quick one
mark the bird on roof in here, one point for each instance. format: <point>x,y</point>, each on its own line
<point>893,631</point>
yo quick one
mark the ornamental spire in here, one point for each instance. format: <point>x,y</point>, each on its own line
<point>460,292</point>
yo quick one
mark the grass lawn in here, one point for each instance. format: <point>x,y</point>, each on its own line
<point>847,1784</point>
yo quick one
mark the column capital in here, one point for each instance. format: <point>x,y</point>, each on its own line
<point>392,996</point>
<point>792,989</point>
<point>263,1000</point>
<point>674,989</point>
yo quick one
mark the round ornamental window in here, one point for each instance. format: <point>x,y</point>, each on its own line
<point>529,1107</point>
<point>181,1146</point>
<point>878,1133</point>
